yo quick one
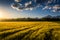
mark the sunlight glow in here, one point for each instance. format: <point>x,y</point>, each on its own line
<point>1,15</point>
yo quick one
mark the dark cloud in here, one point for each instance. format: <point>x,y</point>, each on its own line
<point>53,5</point>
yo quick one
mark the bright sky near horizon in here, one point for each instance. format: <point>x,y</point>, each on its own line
<point>29,8</point>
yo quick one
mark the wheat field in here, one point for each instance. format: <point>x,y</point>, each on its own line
<point>30,30</point>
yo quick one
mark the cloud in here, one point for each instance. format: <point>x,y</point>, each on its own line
<point>47,7</point>
<point>56,8</point>
<point>17,6</point>
<point>26,6</point>
<point>53,5</point>
<point>28,3</point>
<point>17,0</point>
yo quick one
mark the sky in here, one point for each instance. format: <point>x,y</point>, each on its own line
<point>29,8</point>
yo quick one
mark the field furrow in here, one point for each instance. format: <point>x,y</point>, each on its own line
<point>30,31</point>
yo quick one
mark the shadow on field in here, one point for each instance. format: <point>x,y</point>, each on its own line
<point>48,35</point>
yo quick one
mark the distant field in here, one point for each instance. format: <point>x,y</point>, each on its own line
<point>30,30</point>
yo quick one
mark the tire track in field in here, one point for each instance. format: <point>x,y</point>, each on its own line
<point>23,30</point>
<point>7,29</point>
<point>42,35</point>
<point>15,28</point>
<point>36,34</point>
<point>14,32</point>
<point>27,32</point>
<point>18,36</point>
<point>28,35</point>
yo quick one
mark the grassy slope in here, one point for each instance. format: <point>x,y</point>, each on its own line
<point>29,30</point>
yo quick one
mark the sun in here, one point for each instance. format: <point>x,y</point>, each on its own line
<point>1,15</point>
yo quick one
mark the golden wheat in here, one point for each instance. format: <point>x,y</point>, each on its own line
<point>30,30</point>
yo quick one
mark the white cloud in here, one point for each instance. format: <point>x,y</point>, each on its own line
<point>28,8</point>
<point>47,7</point>
<point>56,8</point>
<point>31,8</point>
<point>28,3</point>
<point>17,0</point>
<point>53,10</point>
<point>44,4</point>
